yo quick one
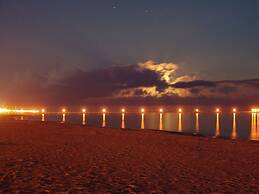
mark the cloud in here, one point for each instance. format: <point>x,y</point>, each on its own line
<point>195,83</point>
<point>224,89</point>
<point>148,82</point>
<point>166,71</point>
<point>107,82</point>
<point>143,79</point>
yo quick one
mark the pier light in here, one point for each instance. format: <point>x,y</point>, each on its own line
<point>142,110</point>
<point>217,110</point>
<point>161,110</point>
<point>180,110</point>
<point>83,110</point>
<point>197,110</point>
<point>64,110</point>
<point>123,110</point>
<point>104,110</point>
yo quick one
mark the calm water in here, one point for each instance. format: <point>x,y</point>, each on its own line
<point>232,125</point>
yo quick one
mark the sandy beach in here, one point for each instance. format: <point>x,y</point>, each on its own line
<point>50,157</point>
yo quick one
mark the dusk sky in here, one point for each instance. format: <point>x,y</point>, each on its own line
<point>135,51</point>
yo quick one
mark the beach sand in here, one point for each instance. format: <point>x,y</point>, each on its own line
<point>53,157</point>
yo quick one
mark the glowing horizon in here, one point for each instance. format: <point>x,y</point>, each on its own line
<point>8,111</point>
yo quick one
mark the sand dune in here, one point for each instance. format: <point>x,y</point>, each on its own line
<point>52,157</point>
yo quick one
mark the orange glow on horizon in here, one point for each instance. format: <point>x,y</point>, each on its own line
<point>9,111</point>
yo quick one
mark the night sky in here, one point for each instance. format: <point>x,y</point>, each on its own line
<point>129,52</point>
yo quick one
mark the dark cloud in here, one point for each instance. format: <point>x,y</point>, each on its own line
<point>226,89</point>
<point>247,82</point>
<point>212,84</point>
<point>105,82</point>
<point>131,84</point>
<point>195,83</point>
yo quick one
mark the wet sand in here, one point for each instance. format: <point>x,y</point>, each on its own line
<point>53,157</point>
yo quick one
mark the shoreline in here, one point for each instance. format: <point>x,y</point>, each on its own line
<point>144,130</point>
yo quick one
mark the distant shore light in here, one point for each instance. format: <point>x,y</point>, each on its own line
<point>43,110</point>
<point>104,110</point>
<point>142,110</point>
<point>161,110</point>
<point>234,110</point>
<point>84,110</point>
<point>197,110</point>
<point>217,110</point>
<point>5,110</point>
<point>123,110</point>
<point>64,110</point>
<point>180,110</point>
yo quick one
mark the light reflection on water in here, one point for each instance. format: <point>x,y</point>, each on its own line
<point>217,130</point>
<point>142,125</point>
<point>161,121</point>
<point>179,122</point>
<point>196,123</point>
<point>104,120</point>
<point>84,119</point>
<point>226,125</point>
<point>234,127</point>
<point>254,127</point>
<point>123,121</point>
<point>63,118</point>
<point>42,117</point>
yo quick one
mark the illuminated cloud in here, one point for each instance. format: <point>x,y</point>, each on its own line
<point>166,71</point>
